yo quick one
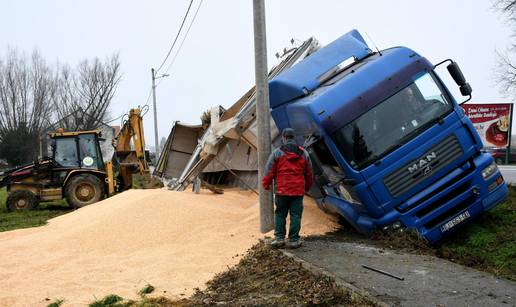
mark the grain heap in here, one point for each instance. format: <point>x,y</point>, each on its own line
<point>175,241</point>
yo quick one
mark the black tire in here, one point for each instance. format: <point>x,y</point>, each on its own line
<point>499,161</point>
<point>82,190</point>
<point>21,200</point>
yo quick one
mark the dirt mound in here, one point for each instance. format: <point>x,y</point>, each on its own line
<point>175,241</point>
<point>266,277</point>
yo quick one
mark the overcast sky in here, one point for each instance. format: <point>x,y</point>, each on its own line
<point>216,63</point>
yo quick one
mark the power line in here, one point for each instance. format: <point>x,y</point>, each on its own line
<point>177,36</point>
<point>183,41</point>
<point>148,97</point>
<point>112,120</point>
<point>118,117</point>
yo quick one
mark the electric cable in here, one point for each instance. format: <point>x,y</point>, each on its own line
<point>145,105</point>
<point>177,36</point>
<point>144,109</point>
<point>183,41</point>
<point>112,120</point>
<point>148,97</point>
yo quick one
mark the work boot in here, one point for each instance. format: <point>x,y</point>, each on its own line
<point>294,244</point>
<point>277,243</point>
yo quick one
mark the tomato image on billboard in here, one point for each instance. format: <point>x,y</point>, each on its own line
<point>491,121</point>
<point>497,133</point>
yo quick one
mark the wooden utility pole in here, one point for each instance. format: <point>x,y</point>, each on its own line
<point>263,116</point>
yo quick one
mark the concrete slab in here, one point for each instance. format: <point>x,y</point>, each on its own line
<point>428,281</point>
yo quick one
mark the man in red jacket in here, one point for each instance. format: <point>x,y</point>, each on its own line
<point>290,166</point>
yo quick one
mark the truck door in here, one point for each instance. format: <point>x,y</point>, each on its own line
<point>90,155</point>
<point>329,178</point>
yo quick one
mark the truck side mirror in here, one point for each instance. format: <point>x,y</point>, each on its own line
<point>458,77</point>
<point>456,73</point>
<point>466,89</point>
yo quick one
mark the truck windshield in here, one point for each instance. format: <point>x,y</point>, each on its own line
<point>393,122</point>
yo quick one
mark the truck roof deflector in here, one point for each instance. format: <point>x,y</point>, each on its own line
<point>306,75</point>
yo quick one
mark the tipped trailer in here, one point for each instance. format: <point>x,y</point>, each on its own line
<point>389,144</point>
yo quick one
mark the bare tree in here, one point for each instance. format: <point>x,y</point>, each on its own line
<point>36,97</point>
<point>26,91</point>
<point>505,71</point>
<point>97,83</point>
<point>65,102</point>
<point>86,93</point>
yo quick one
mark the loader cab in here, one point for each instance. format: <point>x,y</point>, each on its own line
<point>78,150</point>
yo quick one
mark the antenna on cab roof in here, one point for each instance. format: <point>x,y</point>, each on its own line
<point>372,41</point>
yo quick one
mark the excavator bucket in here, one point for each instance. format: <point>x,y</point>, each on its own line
<point>147,181</point>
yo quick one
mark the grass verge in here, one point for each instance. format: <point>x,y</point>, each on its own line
<point>487,243</point>
<point>33,218</point>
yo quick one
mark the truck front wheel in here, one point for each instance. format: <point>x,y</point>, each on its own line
<point>83,190</point>
<point>21,200</point>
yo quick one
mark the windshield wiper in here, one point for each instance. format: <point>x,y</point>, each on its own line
<point>438,119</point>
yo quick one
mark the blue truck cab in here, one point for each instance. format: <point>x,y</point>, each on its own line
<point>389,144</point>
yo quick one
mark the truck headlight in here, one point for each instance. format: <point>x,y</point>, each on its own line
<point>489,170</point>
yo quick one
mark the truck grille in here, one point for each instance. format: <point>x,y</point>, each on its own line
<point>412,173</point>
<point>467,168</point>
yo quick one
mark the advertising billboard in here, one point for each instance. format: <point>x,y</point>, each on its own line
<point>492,122</point>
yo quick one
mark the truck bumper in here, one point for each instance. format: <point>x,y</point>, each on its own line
<point>459,198</point>
<point>496,197</point>
<point>475,209</point>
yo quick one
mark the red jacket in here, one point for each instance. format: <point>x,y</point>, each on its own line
<point>290,166</point>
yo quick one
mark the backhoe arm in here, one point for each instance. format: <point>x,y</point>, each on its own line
<point>131,158</point>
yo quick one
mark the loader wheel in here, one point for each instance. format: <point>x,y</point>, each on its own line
<point>21,200</point>
<point>83,190</point>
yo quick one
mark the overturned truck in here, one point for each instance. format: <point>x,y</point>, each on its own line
<point>389,143</point>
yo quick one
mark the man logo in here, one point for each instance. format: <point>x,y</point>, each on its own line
<point>423,164</point>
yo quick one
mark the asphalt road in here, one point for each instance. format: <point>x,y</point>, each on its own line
<point>508,172</point>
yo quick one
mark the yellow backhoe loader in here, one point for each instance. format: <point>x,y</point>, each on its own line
<point>76,171</point>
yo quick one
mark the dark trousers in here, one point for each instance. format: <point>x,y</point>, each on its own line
<point>284,205</point>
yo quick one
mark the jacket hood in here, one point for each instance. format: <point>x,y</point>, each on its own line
<point>291,156</point>
<point>291,150</point>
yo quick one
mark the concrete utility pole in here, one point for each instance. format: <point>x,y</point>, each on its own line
<point>262,112</point>
<point>156,140</point>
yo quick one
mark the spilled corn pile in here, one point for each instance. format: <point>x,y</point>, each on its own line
<point>176,241</point>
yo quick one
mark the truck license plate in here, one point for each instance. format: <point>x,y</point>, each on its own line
<point>455,221</point>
